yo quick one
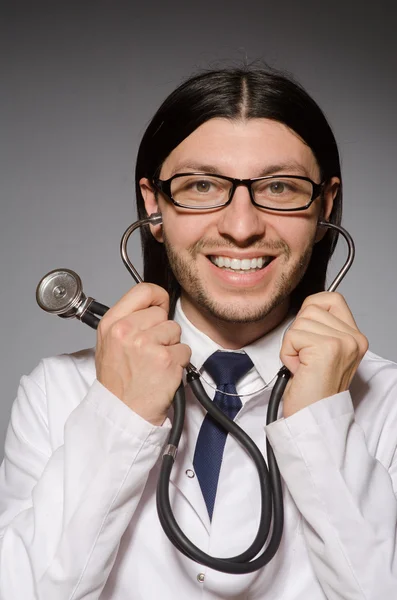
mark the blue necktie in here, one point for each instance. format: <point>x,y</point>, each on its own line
<point>225,368</point>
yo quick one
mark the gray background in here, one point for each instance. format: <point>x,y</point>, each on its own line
<point>79,82</point>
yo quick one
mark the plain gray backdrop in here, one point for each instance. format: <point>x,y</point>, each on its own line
<point>80,81</point>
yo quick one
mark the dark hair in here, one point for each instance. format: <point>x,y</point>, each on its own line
<point>237,93</point>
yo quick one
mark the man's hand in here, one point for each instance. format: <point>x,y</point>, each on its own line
<point>322,349</point>
<point>139,357</point>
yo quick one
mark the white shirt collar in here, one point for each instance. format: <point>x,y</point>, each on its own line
<point>264,352</point>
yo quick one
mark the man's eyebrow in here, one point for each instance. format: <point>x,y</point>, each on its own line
<point>287,168</point>
<point>195,167</point>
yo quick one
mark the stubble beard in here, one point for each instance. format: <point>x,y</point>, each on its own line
<point>185,271</point>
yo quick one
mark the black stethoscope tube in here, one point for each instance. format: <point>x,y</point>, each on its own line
<point>272,513</point>
<point>269,480</point>
<point>269,477</point>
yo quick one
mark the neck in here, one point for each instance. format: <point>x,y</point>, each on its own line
<point>232,335</point>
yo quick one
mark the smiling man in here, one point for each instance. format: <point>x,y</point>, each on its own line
<point>242,165</point>
<point>212,256</point>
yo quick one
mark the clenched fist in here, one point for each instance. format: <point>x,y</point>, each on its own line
<point>322,349</point>
<point>139,357</point>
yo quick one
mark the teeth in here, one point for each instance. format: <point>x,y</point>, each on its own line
<point>235,264</point>
<point>246,264</point>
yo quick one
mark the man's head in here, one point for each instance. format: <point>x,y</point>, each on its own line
<point>242,124</point>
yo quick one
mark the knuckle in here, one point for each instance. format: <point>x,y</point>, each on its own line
<point>352,344</point>
<point>145,292</point>
<point>120,330</point>
<point>140,341</point>
<point>175,328</point>
<point>105,322</point>
<point>165,358</point>
<point>334,345</point>
<point>304,309</point>
<point>102,326</point>
<point>298,323</point>
<point>151,292</point>
<point>338,297</point>
<point>350,347</point>
<point>187,352</point>
<point>313,298</point>
<point>310,311</point>
<point>302,323</point>
<point>363,343</point>
<point>308,300</point>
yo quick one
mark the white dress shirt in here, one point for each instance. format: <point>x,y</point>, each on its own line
<point>78,512</point>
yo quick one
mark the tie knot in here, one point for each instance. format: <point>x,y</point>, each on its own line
<point>227,367</point>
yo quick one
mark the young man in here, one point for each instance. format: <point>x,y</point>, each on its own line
<point>242,166</point>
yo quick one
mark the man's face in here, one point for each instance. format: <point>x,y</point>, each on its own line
<point>197,241</point>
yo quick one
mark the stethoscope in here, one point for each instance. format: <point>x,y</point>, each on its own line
<point>60,292</point>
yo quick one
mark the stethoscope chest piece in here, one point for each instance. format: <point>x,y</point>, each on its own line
<point>60,293</point>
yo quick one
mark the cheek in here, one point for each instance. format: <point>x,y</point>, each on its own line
<point>297,231</point>
<point>184,229</point>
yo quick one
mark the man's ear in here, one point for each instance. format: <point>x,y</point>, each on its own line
<point>328,196</point>
<point>151,205</point>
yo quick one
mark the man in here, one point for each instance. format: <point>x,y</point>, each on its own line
<point>242,166</point>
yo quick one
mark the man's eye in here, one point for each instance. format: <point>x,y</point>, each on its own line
<point>202,186</point>
<point>277,187</point>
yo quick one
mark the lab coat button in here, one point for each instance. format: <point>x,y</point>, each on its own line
<point>190,473</point>
<point>200,577</point>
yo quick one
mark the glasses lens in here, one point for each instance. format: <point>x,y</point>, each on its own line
<point>282,192</point>
<point>200,191</point>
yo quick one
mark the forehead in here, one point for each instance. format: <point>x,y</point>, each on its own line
<point>242,148</point>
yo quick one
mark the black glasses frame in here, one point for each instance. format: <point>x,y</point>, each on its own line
<point>164,186</point>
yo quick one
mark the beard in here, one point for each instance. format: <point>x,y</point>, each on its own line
<point>186,273</point>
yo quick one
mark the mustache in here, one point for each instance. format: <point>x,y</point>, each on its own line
<point>267,246</point>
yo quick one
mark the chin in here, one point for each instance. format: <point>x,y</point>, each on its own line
<point>241,312</point>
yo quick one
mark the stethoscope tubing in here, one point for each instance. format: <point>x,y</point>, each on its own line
<point>269,475</point>
<point>271,518</point>
<point>269,481</point>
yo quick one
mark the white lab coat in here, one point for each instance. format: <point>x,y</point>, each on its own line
<point>77,491</point>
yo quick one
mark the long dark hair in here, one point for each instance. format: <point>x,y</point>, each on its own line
<point>251,93</point>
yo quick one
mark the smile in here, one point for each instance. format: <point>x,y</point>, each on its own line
<point>245,264</point>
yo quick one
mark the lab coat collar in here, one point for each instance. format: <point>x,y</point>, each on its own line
<point>264,352</point>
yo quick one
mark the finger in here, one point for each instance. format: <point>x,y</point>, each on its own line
<point>167,333</point>
<point>322,329</point>
<point>134,329</point>
<point>167,355</point>
<point>307,348</point>
<point>314,318</point>
<point>181,353</point>
<point>332,302</point>
<point>312,314</point>
<point>141,296</point>
<point>146,318</point>
<point>296,340</point>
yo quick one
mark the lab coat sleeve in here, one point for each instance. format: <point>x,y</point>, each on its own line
<point>346,495</point>
<point>64,510</point>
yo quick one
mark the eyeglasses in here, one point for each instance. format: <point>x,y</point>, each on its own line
<point>202,191</point>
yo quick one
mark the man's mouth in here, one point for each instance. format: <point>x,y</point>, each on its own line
<point>246,265</point>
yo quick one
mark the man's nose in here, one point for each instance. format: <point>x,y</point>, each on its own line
<point>241,220</point>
